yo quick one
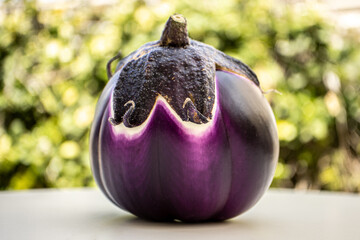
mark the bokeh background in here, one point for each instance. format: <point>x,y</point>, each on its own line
<point>52,69</point>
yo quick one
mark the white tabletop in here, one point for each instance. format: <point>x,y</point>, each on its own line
<point>87,214</point>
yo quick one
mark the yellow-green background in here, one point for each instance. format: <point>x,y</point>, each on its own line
<point>52,70</point>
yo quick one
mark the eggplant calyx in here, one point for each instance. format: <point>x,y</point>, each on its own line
<point>126,116</point>
<point>108,65</point>
<point>192,113</point>
<point>128,113</point>
<point>175,33</point>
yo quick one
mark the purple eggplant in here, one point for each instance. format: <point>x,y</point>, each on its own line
<point>183,132</point>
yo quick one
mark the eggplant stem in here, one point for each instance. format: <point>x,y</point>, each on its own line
<point>108,65</point>
<point>175,33</point>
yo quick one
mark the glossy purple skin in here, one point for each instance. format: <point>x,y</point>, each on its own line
<point>167,173</point>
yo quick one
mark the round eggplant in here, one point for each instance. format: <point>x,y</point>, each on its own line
<point>183,132</point>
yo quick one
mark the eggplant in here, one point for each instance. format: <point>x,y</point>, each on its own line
<point>183,132</point>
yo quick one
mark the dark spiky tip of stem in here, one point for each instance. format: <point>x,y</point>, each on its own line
<point>175,33</point>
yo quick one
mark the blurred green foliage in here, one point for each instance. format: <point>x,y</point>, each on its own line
<point>52,70</point>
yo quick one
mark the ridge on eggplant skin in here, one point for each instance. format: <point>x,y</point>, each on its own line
<point>179,69</point>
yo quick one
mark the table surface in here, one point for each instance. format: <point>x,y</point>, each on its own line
<point>87,214</point>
